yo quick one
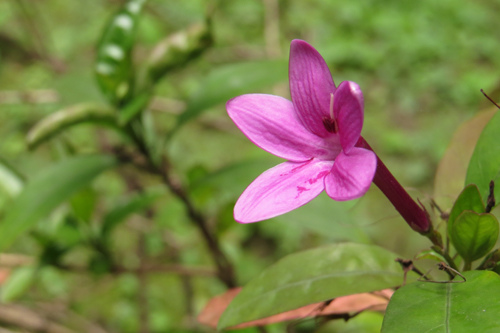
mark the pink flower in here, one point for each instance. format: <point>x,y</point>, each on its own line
<point>316,133</point>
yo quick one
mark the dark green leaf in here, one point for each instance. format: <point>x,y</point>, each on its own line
<point>469,199</point>
<point>467,307</point>
<point>74,115</point>
<point>114,53</point>
<point>484,165</point>
<point>230,81</point>
<point>474,235</point>
<point>313,276</point>
<point>47,190</point>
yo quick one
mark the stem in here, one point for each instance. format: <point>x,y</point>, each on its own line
<point>414,214</point>
<point>467,266</point>
<point>447,257</point>
<point>224,267</point>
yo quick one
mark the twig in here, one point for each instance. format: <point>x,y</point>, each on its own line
<point>407,265</point>
<point>443,215</point>
<point>444,267</point>
<point>490,203</point>
<point>224,267</point>
<point>491,100</point>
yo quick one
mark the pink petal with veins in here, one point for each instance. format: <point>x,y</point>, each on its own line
<point>348,112</point>
<point>310,86</point>
<point>351,174</point>
<point>271,123</point>
<point>281,189</point>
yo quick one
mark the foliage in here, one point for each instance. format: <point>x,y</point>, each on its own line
<point>119,167</point>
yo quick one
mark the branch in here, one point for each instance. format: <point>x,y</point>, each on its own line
<point>224,267</point>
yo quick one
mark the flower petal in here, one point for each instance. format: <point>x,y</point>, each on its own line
<point>281,189</point>
<point>351,174</point>
<point>310,86</point>
<point>348,112</point>
<point>271,123</point>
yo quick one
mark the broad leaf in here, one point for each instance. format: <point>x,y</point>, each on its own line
<point>313,276</point>
<point>452,169</point>
<point>474,235</point>
<point>230,81</point>
<point>469,199</point>
<point>47,190</point>
<point>472,306</point>
<point>484,165</point>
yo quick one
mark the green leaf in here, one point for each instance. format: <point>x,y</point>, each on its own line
<point>113,65</point>
<point>132,205</point>
<point>430,254</point>
<point>484,165</point>
<point>47,190</point>
<point>469,199</point>
<point>11,181</point>
<point>474,235</point>
<point>177,49</point>
<point>365,322</point>
<point>467,307</point>
<point>83,203</point>
<point>18,283</point>
<point>313,276</point>
<point>452,169</point>
<point>61,120</point>
<point>134,108</point>
<point>230,81</point>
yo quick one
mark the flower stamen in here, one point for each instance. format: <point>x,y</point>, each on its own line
<point>329,122</point>
<point>331,105</point>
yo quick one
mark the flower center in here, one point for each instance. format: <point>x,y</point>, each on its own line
<point>329,122</point>
<point>330,125</point>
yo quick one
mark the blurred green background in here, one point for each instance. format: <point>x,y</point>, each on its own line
<point>420,64</point>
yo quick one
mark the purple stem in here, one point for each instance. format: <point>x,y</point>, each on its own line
<point>414,214</point>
